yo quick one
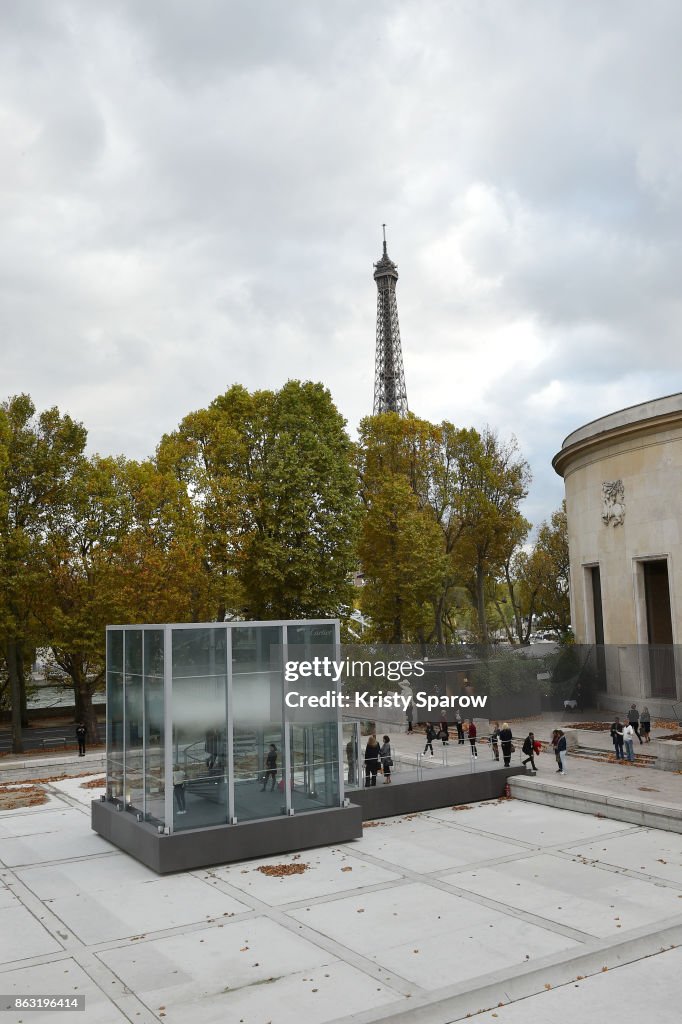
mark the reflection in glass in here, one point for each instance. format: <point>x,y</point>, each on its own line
<point>154,781</point>
<point>256,673</point>
<point>199,752</point>
<point>115,714</point>
<point>134,725</point>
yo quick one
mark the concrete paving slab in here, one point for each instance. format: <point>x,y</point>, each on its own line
<point>51,846</point>
<point>413,930</point>
<point>573,893</point>
<point>529,823</point>
<point>105,913</point>
<point>51,817</point>
<point>650,989</point>
<point>73,788</point>
<point>63,977</point>
<point>256,970</point>
<point>22,936</point>
<point>429,843</point>
<point>649,851</point>
<point>330,870</point>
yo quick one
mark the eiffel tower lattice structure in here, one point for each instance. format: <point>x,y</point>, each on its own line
<point>390,394</point>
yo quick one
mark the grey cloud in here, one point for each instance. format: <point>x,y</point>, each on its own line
<point>192,196</point>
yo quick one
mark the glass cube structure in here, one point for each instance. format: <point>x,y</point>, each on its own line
<point>197,727</point>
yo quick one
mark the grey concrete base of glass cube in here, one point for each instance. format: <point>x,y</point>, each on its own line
<point>409,797</point>
<point>221,844</point>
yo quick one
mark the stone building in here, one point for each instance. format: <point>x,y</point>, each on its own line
<point>623,479</point>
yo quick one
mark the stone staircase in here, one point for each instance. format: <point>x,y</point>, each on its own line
<point>599,754</point>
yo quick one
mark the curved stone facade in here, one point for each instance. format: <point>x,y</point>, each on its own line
<point>623,479</point>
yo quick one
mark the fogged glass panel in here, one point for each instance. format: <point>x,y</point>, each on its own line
<point>258,738</point>
<point>154,781</point>
<point>134,725</point>
<point>115,713</point>
<point>305,637</point>
<point>315,766</point>
<point>199,750</point>
<point>351,754</point>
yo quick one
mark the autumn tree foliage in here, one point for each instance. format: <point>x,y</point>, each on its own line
<point>39,454</point>
<point>272,479</point>
<point>441,514</point>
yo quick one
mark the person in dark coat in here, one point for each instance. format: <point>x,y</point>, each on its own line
<point>529,750</point>
<point>372,762</point>
<point>617,738</point>
<point>460,728</point>
<point>472,738</point>
<point>386,758</point>
<point>81,733</point>
<point>561,753</point>
<point>270,768</point>
<point>409,715</point>
<point>506,743</point>
<point>645,723</point>
<point>430,737</point>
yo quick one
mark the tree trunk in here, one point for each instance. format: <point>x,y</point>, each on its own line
<point>22,688</point>
<point>15,695</point>
<point>480,604</point>
<point>85,710</point>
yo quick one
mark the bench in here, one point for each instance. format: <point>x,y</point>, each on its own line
<point>53,739</point>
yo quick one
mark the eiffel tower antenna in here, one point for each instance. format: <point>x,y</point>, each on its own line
<point>390,394</point>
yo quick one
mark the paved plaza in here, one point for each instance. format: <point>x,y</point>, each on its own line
<point>508,908</point>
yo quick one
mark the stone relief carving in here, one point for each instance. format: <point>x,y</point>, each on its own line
<point>613,497</point>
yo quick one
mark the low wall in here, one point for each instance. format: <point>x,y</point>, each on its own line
<point>409,797</point>
<point>16,770</point>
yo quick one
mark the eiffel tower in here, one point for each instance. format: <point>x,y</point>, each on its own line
<point>390,394</point>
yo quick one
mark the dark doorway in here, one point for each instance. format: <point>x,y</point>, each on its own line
<point>659,628</point>
<point>598,618</point>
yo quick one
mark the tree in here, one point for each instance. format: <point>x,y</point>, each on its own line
<point>469,486</point>
<point>271,476</point>
<point>493,480</point>
<point>121,548</point>
<point>548,572</point>
<point>38,455</point>
<point>401,548</point>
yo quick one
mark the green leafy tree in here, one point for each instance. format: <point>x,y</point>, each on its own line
<point>38,456</point>
<point>271,476</point>
<point>401,548</point>
<point>121,548</point>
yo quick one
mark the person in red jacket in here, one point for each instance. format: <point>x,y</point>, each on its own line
<point>472,738</point>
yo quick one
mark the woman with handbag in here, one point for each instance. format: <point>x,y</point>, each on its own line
<point>386,758</point>
<point>506,743</point>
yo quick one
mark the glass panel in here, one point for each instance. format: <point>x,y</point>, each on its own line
<point>256,703</point>
<point>115,714</point>
<point>199,727</point>
<point>154,783</point>
<point>315,766</point>
<point>351,754</point>
<point>315,756</point>
<point>134,729</point>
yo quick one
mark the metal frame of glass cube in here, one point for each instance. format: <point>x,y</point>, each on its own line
<point>191,738</point>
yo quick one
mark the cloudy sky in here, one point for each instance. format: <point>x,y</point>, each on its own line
<point>191,194</point>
